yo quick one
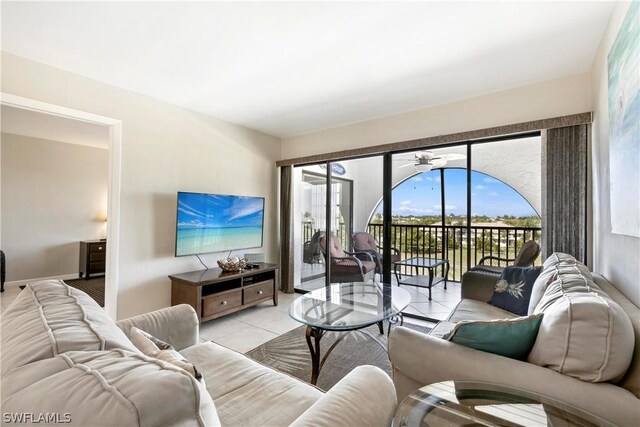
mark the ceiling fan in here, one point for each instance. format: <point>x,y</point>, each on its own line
<point>424,161</point>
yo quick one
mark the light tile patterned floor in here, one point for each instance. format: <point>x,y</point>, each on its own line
<point>244,330</point>
<point>251,327</point>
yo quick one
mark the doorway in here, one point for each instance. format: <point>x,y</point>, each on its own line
<point>113,128</point>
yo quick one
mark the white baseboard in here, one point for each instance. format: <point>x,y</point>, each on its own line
<point>16,283</point>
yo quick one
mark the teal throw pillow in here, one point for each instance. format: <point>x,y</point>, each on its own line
<point>512,338</point>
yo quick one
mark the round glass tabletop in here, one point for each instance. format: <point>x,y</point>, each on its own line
<point>348,306</point>
<point>466,403</point>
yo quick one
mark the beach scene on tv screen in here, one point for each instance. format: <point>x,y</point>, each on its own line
<point>216,223</point>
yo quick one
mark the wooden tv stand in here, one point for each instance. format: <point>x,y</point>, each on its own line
<point>214,293</point>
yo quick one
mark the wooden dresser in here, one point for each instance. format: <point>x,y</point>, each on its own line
<point>214,293</point>
<point>93,254</point>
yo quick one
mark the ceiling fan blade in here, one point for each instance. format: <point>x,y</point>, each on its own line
<point>451,156</point>
<point>438,163</point>
<point>407,165</point>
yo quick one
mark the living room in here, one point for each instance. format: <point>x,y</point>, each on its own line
<point>244,99</point>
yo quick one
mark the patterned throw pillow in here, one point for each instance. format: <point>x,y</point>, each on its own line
<point>513,289</point>
<point>512,338</point>
<point>153,347</point>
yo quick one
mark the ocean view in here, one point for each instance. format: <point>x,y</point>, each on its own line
<point>191,241</point>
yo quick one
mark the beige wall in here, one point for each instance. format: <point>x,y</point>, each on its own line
<point>614,255</point>
<point>165,149</point>
<point>52,195</point>
<point>569,95</point>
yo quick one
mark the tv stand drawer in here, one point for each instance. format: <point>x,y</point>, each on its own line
<point>217,303</point>
<point>258,291</point>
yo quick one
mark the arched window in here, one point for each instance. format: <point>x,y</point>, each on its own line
<point>417,200</point>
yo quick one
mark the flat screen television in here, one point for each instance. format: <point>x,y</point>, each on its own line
<point>207,223</point>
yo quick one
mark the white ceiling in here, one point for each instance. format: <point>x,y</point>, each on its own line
<point>55,128</point>
<point>289,68</point>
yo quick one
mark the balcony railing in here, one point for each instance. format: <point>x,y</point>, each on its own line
<point>427,241</point>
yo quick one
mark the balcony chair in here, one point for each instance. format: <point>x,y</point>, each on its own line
<point>365,242</point>
<point>311,252</point>
<point>525,258</point>
<point>347,266</point>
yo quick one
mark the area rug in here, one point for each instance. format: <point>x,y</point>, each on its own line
<point>289,353</point>
<point>93,287</point>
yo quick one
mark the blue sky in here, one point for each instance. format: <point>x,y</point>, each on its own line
<point>213,211</point>
<point>420,195</point>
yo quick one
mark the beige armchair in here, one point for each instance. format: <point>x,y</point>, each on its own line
<point>365,242</point>
<point>347,266</point>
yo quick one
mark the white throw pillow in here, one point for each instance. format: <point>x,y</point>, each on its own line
<point>584,333</point>
<point>153,347</point>
<point>557,264</point>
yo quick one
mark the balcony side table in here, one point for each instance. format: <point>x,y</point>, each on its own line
<point>421,280</point>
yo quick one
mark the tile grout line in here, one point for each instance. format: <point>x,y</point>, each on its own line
<point>254,326</point>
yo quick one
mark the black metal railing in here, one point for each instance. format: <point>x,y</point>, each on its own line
<point>307,231</point>
<point>427,241</point>
<point>451,242</point>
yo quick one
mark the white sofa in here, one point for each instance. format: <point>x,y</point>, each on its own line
<point>587,341</point>
<point>63,358</point>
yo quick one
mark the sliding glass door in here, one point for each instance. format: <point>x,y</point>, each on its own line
<point>506,199</point>
<point>309,225</point>
<point>310,221</point>
<point>429,226</point>
<point>450,208</point>
<point>355,191</point>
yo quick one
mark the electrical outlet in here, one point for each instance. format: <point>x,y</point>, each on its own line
<point>255,257</point>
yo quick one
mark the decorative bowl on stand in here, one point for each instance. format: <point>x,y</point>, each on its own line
<point>232,264</point>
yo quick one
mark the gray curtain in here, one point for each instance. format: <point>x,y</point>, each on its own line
<point>564,191</point>
<point>286,229</point>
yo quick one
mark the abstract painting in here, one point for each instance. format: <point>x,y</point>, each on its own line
<point>624,126</point>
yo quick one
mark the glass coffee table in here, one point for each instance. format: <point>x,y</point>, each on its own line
<point>346,307</point>
<point>471,403</point>
<point>421,280</point>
